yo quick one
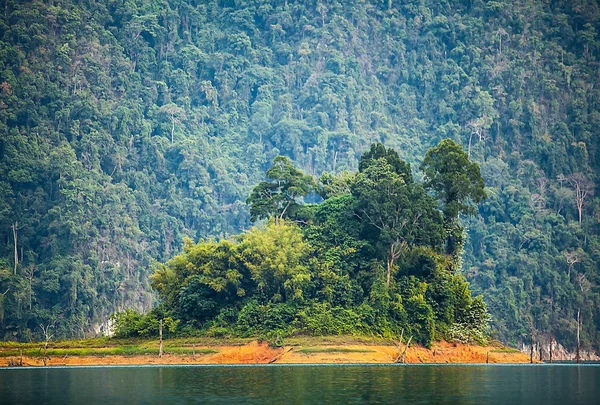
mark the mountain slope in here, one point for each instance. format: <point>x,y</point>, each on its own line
<point>127,125</point>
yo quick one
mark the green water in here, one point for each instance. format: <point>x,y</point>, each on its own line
<point>432,384</point>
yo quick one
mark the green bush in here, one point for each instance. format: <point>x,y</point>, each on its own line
<point>255,319</point>
<point>126,323</point>
<point>130,323</point>
<point>421,320</point>
<point>323,319</point>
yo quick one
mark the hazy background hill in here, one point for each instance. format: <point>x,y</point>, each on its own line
<point>127,125</point>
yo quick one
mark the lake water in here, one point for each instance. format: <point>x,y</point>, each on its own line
<point>278,384</point>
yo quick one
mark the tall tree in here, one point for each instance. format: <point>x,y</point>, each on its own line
<point>583,189</point>
<point>456,182</point>
<point>395,214</point>
<point>279,196</point>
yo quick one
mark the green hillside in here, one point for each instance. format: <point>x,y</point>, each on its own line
<point>127,125</point>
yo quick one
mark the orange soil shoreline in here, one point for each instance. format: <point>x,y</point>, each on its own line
<point>262,353</point>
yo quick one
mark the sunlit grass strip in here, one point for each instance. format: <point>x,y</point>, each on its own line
<point>311,350</point>
<point>105,342</point>
<point>505,350</point>
<point>109,351</point>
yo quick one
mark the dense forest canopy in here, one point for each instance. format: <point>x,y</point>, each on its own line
<point>127,125</point>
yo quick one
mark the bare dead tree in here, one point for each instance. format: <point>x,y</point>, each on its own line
<point>476,129</point>
<point>531,340</point>
<point>542,183</point>
<point>583,282</point>
<point>47,338</point>
<point>584,286</point>
<point>577,353</point>
<point>322,9</point>
<point>583,189</point>
<point>160,347</point>
<point>174,112</point>
<point>2,304</point>
<point>572,258</point>
<point>15,230</point>
<point>401,358</point>
<point>29,274</point>
<point>531,353</point>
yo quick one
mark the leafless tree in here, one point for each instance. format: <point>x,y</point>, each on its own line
<point>47,338</point>
<point>572,258</point>
<point>583,282</point>
<point>583,188</point>
<point>174,112</point>
<point>15,230</point>
<point>2,304</point>
<point>29,274</point>
<point>401,358</point>
<point>322,9</point>
<point>584,286</point>
<point>160,347</point>
<point>500,33</point>
<point>477,127</point>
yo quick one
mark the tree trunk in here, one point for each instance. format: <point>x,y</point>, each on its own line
<point>15,229</point>
<point>469,147</point>
<point>577,354</point>
<point>405,349</point>
<point>551,350</point>
<point>30,290</point>
<point>531,353</point>
<point>160,346</point>
<point>390,264</point>
<point>172,128</point>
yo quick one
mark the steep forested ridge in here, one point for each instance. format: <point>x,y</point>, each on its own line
<point>127,125</point>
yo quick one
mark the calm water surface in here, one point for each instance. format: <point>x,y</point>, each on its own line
<point>430,384</point>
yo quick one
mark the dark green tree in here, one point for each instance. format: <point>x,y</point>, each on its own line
<point>280,195</point>
<point>456,183</point>
<point>396,215</point>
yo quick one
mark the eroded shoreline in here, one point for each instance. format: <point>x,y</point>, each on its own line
<point>301,351</point>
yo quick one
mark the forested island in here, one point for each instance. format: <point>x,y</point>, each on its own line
<point>135,137</point>
<point>376,257</point>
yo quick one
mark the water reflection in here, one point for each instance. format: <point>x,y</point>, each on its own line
<point>305,385</point>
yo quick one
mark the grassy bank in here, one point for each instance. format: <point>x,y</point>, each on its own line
<point>201,350</point>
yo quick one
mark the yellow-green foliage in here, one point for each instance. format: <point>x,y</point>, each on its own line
<point>276,257</point>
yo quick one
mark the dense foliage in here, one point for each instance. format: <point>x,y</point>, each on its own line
<point>368,259</point>
<point>127,125</point>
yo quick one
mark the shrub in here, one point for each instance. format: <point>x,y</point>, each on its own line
<point>421,320</point>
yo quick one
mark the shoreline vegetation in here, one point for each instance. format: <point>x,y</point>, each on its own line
<point>298,350</point>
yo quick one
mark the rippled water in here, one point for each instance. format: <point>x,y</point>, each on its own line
<point>414,384</point>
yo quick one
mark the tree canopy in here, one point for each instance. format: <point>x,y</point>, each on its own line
<point>278,196</point>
